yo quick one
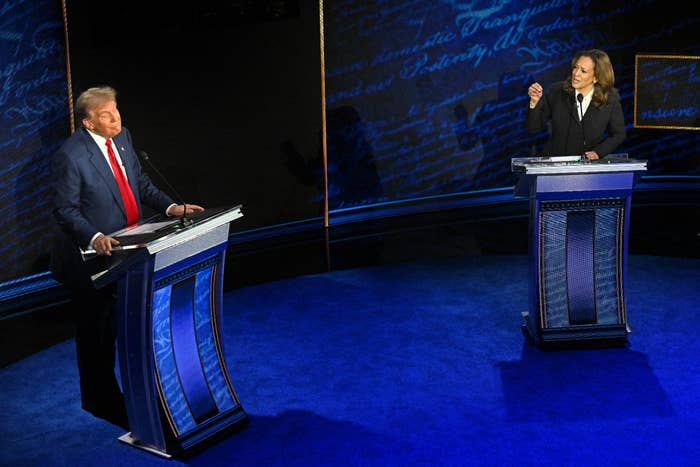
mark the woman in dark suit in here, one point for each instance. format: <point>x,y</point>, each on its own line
<point>584,110</point>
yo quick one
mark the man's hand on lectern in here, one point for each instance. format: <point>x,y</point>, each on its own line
<point>176,210</point>
<point>103,245</point>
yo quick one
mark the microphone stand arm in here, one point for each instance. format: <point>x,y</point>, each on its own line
<point>184,220</point>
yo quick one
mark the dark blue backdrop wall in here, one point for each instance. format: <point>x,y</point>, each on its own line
<point>428,97</point>
<point>33,122</point>
<point>424,98</point>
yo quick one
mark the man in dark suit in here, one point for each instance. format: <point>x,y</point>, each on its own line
<point>98,187</point>
<point>585,112</point>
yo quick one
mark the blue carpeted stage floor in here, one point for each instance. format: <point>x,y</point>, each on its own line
<point>417,363</point>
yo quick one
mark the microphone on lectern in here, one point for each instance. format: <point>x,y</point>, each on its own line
<point>184,221</point>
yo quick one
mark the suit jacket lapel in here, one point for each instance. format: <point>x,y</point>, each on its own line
<point>97,159</point>
<point>590,113</point>
<point>574,110</point>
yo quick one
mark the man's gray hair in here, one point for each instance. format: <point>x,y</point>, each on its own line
<point>92,97</point>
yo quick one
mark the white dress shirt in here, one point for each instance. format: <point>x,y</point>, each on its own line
<point>102,144</point>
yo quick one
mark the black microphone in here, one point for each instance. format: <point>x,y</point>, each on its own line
<point>184,221</point>
<point>579,98</point>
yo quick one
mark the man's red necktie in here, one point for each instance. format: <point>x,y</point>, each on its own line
<point>132,211</point>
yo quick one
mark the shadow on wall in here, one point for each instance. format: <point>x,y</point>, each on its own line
<point>353,178</point>
<point>496,132</point>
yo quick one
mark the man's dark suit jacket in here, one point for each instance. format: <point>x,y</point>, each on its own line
<point>604,126</point>
<point>86,200</point>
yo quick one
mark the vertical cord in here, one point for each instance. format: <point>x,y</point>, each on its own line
<point>68,72</point>
<point>323,120</point>
<point>323,140</point>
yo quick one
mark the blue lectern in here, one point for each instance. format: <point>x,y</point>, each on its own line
<point>176,385</point>
<point>579,220</point>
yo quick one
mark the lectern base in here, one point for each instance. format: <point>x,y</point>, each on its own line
<point>128,439</point>
<point>574,336</point>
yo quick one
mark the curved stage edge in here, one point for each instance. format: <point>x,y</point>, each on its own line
<point>663,209</point>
